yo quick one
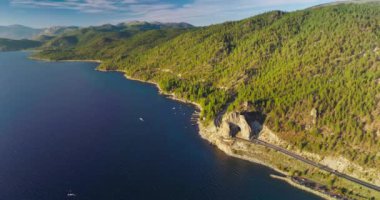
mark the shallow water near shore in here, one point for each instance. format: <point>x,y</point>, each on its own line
<point>66,127</point>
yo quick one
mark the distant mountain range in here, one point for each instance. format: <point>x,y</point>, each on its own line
<point>17,32</point>
<point>143,25</point>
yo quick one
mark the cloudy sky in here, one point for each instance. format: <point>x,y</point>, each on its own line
<point>43,13</point>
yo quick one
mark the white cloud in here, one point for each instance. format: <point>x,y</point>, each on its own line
<point>204,12</point>
<point>199,12</point>
<point>80,5</point>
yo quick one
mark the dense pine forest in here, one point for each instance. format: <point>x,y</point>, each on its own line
<point>323,60</point>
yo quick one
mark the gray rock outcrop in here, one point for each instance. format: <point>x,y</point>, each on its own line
<point>235,125</point>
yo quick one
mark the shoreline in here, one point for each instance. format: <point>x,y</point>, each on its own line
<point>202,134</point>
<point>203,130</point>
<point>301,187</point>
<point>160,91</point>
<point>50,60</point>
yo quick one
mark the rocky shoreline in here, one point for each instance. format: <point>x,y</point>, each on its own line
<point>214,135</point>
<point>211,134</point>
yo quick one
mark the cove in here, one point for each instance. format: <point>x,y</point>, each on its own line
<point>66,127</point>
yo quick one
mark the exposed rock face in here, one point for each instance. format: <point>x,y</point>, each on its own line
<point>269,136</point>
<point>235,124</point>
<point>222,137</point>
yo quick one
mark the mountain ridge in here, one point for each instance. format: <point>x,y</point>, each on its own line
<point>17,31</point>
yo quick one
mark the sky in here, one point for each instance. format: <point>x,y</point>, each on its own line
<point>45,13</point>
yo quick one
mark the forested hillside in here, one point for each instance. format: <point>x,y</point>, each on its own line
<point>108,41</point>
<point>323,60</point>
<point>15,45</point>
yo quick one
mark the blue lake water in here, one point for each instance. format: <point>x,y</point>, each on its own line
<point>65,126</point>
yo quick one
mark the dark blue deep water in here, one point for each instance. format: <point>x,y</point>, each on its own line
<point>65,126</point>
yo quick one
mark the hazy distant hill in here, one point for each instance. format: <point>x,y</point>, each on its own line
<point>118,39</point>
<point>56,30</point>
<point>18,32</point>
<point>142,25</point>
<point>15,45</point>
<point>16,37</point>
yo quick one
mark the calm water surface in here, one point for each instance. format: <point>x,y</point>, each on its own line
<point>64,126</point>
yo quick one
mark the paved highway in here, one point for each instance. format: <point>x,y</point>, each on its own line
<point>315,164</point>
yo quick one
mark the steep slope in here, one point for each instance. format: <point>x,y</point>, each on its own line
<point>284,65</point>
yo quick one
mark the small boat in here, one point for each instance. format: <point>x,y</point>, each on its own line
<point>70,194</point>
<point>141,119</point>
<point>173,108</point>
